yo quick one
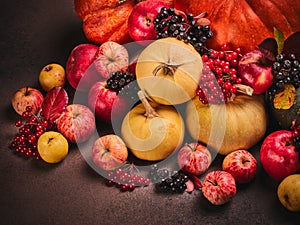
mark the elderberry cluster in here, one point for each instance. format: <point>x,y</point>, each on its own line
<point>119,80</point>
<point>169,23</point>
<point>286,70</point>
<point>168,181</point>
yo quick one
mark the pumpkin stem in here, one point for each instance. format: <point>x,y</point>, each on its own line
<point>150,112</point>
<point>169,68</point>
<point>244,89</point>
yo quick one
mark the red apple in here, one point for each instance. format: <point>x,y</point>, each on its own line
<point>278,155</point>
<point>76,123</point>
<point>219,187</point>
<point>102,101</point>
<point>111,57</point>
<point>27,96</point>
<point>80,71</point>
<point>241,164</point>
<point>254,71</point>
<point>109,152</point>
<point>140,21</point>
<point>194,158</point>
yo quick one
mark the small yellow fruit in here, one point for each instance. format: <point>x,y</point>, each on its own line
<point>288,192</point>
<point>52,146</point>
<point>52,75</point>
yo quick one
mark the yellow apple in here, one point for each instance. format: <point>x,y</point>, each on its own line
<point>288,192</point>
<point>52,75</point>
<point>52,146</point>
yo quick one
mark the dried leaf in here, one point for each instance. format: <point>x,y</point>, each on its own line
<point>286,98</point>
<point>54,103</point>
<point>269,48</point>
<point>279,37</point>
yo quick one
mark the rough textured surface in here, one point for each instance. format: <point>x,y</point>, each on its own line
<point>35,33</point>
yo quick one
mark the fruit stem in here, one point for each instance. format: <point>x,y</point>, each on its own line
<point>26,91</point>
<point>245,89</point>
<point>150,112</point>
<point>169,68</point>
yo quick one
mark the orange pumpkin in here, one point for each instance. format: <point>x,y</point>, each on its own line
<point>106,20</point>
<point>245,23</point>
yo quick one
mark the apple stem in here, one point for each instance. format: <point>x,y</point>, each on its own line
<point>213,182</point>
<point>150,112</point>
<point>245,89</point>
<point>26,91</point>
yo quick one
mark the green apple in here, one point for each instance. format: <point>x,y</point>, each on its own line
<point>52,75</point>
<point>288,192</point>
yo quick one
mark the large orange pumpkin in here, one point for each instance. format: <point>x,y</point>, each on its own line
<point>106,20</point>
<point>245,23</point>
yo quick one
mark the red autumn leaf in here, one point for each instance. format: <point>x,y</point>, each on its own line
<point>196,180</point>
<point>54,103</point>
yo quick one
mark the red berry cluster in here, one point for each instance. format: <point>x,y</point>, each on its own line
<point>29,130</point>
<point>125,180</point>
<point>217,83</point>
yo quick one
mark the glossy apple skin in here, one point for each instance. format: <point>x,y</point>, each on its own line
<point>241,164</point>
<point>109,152</point>
<point>254,73</point>
<point>279,156</point>
<point>80,71</point>
<point>101,100</point>
<point>52,75</point>
<point>111,57</point>
<point>218,187</point>
<point>76,123</point>
<point>140,21</point>
<point>194,158</point>
<point>27,96</point>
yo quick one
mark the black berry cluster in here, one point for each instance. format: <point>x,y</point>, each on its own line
<point>170,23</point>
<point>286,70</point>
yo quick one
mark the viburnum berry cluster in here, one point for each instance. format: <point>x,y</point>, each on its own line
<point>219,80</point>
<point>126,179</point>
<point>30,128</point>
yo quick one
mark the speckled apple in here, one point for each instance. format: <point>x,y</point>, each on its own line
<point>111,57</point>
<point>109,152</point>
<point>241,164</point>
<point>194,158</point>
<point>27,96</point>
<point>76,123</point>
<point>219,187</point>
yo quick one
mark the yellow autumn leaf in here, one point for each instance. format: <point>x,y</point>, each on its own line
<point>286,98</point>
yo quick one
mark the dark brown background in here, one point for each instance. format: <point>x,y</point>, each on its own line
<point>35,33</point>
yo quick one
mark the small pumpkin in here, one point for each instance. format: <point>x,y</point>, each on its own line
<point>238,124</point>
<point>152,131</point>
<point>106,20</point>
<point>245,23</point>
<point>168,71</point>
